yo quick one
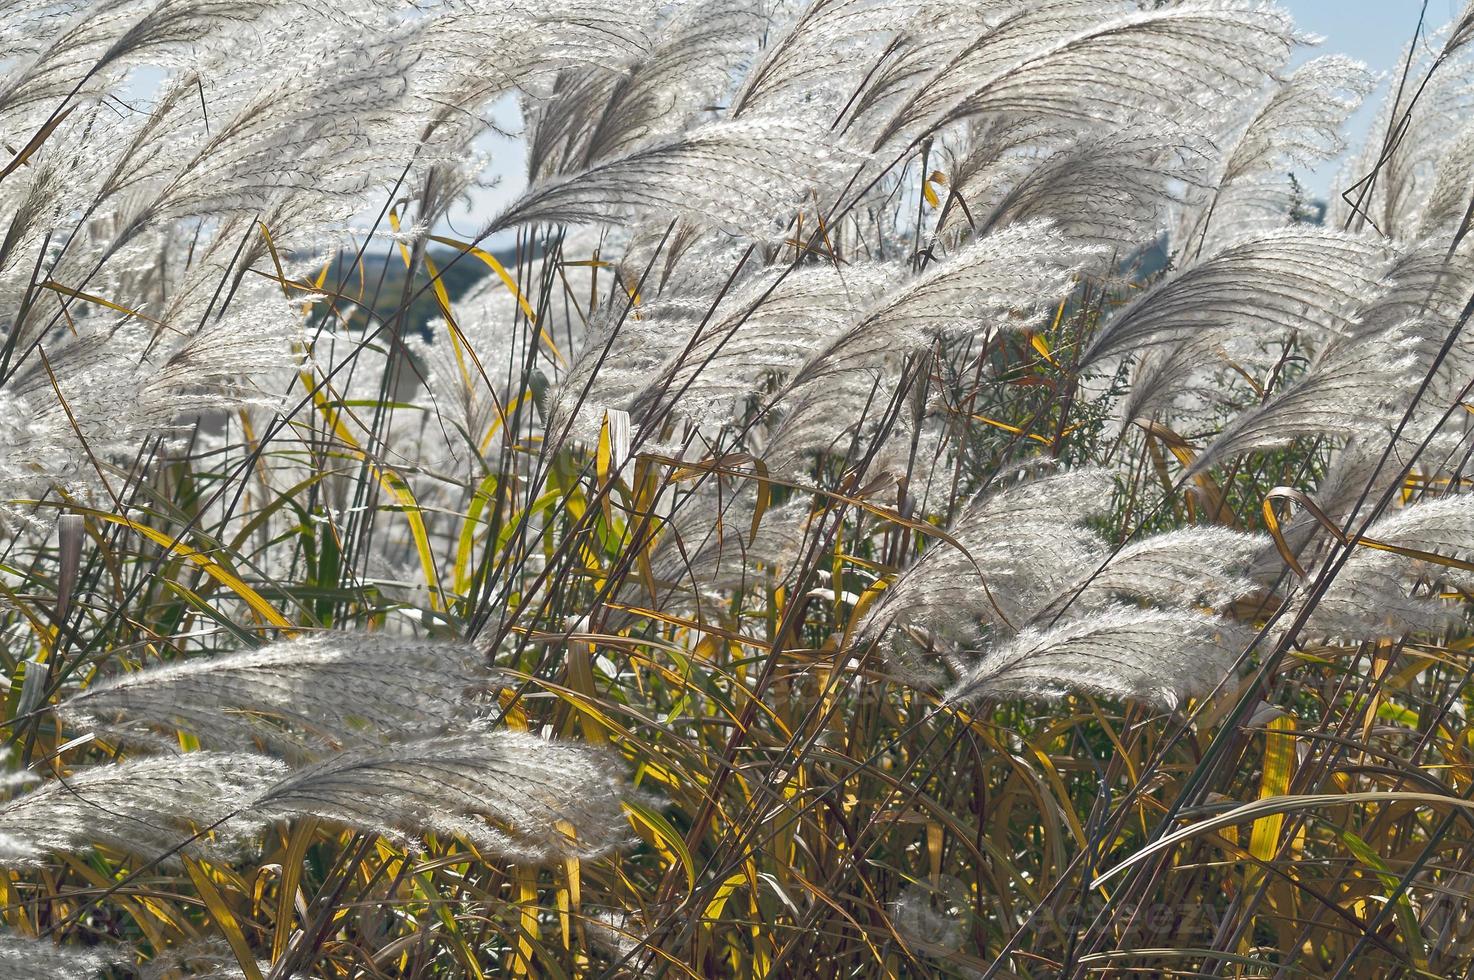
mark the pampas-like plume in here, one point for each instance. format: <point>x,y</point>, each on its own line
<point>1290,279</point>
<point>1349,391</point>
<point>1448,200</point>
<point>1191,567</point>
<point>476,50</point>
<point>999,282</point>
<point>708,548</point>
<point>84,46</point>
<point>1354,480</point>
<point>701,360</point>
<point>772,328</point>
<point>22,958</point>
<point>812,66</point>
<point>1111,189</point>
<point>597,114</point>
<point>741,177</point>
<point>1299,125</point>
<point>1019,544</point>
<point>1016,272</point>
<point>122,389</point>
<point>298,698</point>
<point>935,75</point>
<point>511,794</point>
<point>996,282</point>
<point>1375,594</point>
<point>202,960</point>
<point>1156,657</point>
<point>931,915</point>
<point>1461,32</point>
<point>1408,141</point>
<point>1187,59</point>
<point>300,143</point>
<point>146,806</point>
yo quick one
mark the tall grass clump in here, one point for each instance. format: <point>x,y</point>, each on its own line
<point>910,489</point>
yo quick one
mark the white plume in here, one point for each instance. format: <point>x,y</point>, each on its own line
<point>1158,657</point>
<point>296,697</point>
<point>145,806</point>
<point>504,792</point>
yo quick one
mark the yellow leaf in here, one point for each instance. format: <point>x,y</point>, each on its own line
<point>526,879</point>
<point>666,838</point>
<point>507,280</point>
<point>1279,766</point>
<point>224,918</point>
<point>210,566</point>
<point>724,891</point>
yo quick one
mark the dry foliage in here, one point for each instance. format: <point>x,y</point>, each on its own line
<point>825,541</point>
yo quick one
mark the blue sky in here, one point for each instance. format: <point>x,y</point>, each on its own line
<point>1372,31</point>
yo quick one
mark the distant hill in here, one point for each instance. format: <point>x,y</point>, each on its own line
<point>376,282</point>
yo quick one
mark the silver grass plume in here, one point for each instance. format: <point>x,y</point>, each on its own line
<point>997,282</point>
<point>1298,125</point>
<point>604,110</point>
<point>762,335</point>
<point>1110,189</point>
<point>468,383</point>
<point>87,47</point>
<point>1448,199</point>
<point>146,806</point>
<point>507,793</point>
<point>208,959</point>
<point>1351,390</point>
<point>1354,469</point>
<point>304,141</point>
<point>1011,274</point>
<point>707,549</point>
<point>1301,123</point>
<point>932,915</point>
<point>297,698</point>
<point>1419,288</point>
<point>935,76</point>
<point>700,358</point>
<point>934,34</point>
<point>1157,657</point>
<point>1019,547</point>
<point>124,387</point>
<point>741,177</point>
<point>991,155</point>
<point>1379,594</point>
<point>621,933</point>
<point>1000,282</point>
<point>31,24</point>
<point>812,65</point>
<point>1289,279</point>
<point>621,354</point>
<point>23,958</point>
<point>468,54</point>
<point>1461,32</point>
<point>1424,290</point>
<point>477,50</point>
<point>1188,59</point>
<point>1188,568</point>
<point>1405,169</point>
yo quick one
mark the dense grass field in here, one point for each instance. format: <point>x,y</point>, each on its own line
<point>910,489</point>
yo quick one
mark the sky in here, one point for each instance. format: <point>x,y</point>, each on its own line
<point>1374,32</point>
